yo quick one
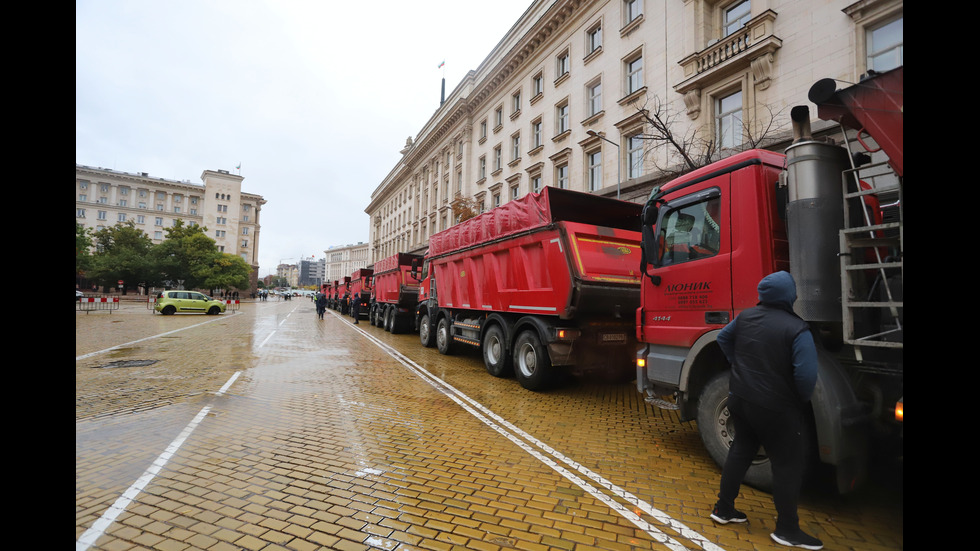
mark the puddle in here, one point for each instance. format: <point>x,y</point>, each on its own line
<point>127,363</point>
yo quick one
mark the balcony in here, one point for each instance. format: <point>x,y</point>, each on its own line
<point>752,47</point>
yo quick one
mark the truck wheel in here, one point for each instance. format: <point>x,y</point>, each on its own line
<point>425,332</point>
<point>373,316</point>
<point>532,366</point>
<point>444,338</point>
<point>390,320</point>
<point>495,356</point>
<point>717,433</point>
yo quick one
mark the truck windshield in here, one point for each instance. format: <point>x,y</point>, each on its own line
<point>689,232</point>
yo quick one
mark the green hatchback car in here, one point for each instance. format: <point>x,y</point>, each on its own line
<point>172,302</point>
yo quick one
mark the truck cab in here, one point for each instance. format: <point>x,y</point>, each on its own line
<point>702,262</point>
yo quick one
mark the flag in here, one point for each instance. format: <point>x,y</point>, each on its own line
<point>239,166</point>
<point>441,64</point>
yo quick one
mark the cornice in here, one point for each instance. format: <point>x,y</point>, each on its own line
<point>135,178</point>
<point>543,30</point>
<point>497,74</point>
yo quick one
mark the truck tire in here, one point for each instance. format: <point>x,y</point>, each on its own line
<point>425,332</point>
<point>391,322</point>
<point>717,433</point>
<point>532,366</point>
<point>444,337</point>
<point>495,356</point>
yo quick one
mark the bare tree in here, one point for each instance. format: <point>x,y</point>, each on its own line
<point>686,150</point>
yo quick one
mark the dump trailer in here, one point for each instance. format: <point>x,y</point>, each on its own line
<point>395,293</point>
<point>830,213</point>
<point>544,284</point>
<point>331,293</point>
<point>341,295</point>
<point>360,290</point>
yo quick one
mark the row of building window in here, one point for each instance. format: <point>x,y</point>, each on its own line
<point>633,74</point>
<point>884,48</point>
<point>160,196</point>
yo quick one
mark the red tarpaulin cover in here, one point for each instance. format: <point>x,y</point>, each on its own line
<point>536,210</point>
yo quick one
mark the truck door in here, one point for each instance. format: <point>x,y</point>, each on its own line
<point>692,263</point>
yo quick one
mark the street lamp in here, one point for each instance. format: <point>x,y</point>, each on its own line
<point>602,136</point>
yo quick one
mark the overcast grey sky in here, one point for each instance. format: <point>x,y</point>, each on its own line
<point>313,99</point>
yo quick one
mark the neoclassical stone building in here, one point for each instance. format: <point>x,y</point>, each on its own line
<point>104,197</point>
<point>568,97</point>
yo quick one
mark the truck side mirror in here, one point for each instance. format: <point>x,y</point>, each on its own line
<point>648,251</point>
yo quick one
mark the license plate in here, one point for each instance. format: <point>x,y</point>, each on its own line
<point>613,337</point>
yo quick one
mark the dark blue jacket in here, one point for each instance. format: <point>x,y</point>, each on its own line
<point>771,349</point>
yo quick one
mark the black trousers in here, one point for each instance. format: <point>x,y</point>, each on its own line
<point>781,433</point>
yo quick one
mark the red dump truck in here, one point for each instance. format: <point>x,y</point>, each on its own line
<point>542,284</point>
<point>360,290</point>
<point>335,298</point>
<point>395,293</point>
<point>330,288</point>
<point>831,215</point>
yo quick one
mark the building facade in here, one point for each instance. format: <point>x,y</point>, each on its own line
<point>312,272</point>
<point>105,197</point>
<point>581,94</point>
<point>342,261</point>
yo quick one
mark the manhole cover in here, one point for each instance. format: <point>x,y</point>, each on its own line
<point>127,363</point>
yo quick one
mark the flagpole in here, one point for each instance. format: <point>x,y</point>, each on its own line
<point>442,93</point>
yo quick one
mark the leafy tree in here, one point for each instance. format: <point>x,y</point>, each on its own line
<point>464,208</point>
<point>228,271</point>
<point>122,253</point>
<point>83,247</point>
<point>187,256</point>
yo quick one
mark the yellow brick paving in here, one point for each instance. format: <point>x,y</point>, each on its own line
<point>326,442</point>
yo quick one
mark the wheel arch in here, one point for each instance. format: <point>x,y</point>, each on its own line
<point>705,360</point>
<point>542,327</point>
<point>506,325</point>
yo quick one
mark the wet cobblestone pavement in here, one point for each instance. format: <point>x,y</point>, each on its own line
<point>267,429</point>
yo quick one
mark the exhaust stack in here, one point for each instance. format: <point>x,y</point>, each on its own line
<point>814,217</point>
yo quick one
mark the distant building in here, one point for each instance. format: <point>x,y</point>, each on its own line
<point>288,273</point>
<point>105,197</point>
<point>312,272</point>
<point>342,261</point>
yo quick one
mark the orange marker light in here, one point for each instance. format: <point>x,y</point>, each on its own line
<point>900,410</point>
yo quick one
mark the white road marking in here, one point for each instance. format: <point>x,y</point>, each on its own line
<point>99,527</point>
<point>511,432</point>
<point>89,537</point>
<point>130,343</point>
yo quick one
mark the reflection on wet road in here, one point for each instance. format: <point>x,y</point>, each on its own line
<point>347,437</point>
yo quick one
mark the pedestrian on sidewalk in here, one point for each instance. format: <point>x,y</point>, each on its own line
<point>321,305</point>
<point>774,371</point>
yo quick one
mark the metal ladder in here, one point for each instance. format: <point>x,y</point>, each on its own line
<point>865,249</point>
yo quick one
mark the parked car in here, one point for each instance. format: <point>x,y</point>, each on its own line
<point>172,302</point>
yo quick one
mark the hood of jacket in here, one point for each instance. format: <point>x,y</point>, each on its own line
<point>778,289</point>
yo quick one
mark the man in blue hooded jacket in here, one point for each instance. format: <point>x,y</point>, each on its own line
<point>774,371</point>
